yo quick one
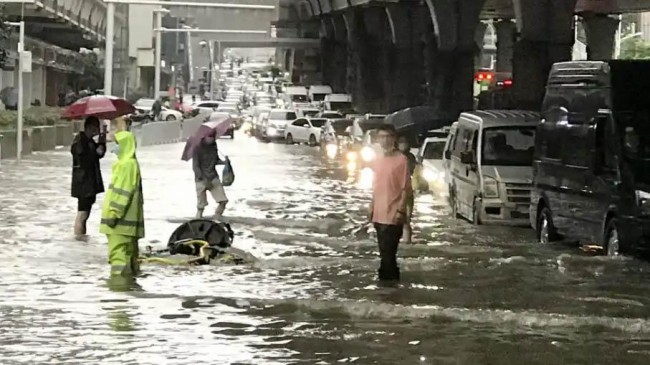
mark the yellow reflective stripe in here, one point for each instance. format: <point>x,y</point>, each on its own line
<point>117,206</point>
<point>119,191</point>
<point>124,222</point>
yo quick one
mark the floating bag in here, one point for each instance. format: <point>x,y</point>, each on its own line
<point>228,175</point>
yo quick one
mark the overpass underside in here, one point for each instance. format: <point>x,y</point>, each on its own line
<point>394,54</point>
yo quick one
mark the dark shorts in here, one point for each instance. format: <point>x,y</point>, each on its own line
<point>86,204</point>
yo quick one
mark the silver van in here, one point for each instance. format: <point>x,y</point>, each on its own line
<point>490,166</point>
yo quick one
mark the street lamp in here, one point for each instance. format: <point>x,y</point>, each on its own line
<point>110,25</point>
<point>159,13</point>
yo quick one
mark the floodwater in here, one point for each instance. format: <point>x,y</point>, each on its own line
<point>469,295</point>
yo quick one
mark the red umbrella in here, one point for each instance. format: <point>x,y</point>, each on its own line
<point>100,106</point>
<point>217,126</point>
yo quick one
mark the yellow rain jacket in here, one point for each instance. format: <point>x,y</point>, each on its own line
<point>123,212</point>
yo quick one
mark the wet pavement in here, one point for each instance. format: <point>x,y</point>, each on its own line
<point>469,295</point>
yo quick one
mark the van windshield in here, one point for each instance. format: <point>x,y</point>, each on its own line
<point>636,134</point>
<point>434,150</point>
<point>508,146</point>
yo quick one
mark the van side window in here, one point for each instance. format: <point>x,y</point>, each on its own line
<point>553,130</point>
<point>605,155</point>
<point>578,145</point>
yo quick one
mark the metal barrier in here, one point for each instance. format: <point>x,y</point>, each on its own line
<point>158,133</point>
<point>190,126</point>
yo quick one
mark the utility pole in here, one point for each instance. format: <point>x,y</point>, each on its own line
<point>158,60</point>
<point>22,67</point>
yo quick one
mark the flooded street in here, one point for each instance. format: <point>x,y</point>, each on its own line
<point>469,295</point>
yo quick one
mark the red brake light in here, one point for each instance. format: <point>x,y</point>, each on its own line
<point>507,82</point>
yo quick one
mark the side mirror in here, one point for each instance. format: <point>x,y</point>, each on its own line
<point>447,155</point>
<point>467,158</point>
<point>420,159</point>
<point>307,126</point>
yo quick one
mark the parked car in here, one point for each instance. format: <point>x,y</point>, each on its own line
<point>143,108</point>
<point>276,124</point>
<point>431,158</point>
<point>207,106</point>
<point>305,130</point>
<point>305,112</point>
<point>328,114</point>
<point>592,156</point>
<point>490,168</point>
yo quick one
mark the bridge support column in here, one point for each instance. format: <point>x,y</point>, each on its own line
<point>449,55</point>
<point>404,74</point>
<point>601,31</point>
<point>367,61</point>
<point>546,37</point>
<point>506,37</point>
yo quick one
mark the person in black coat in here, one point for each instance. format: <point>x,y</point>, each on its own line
<point>86,174</point>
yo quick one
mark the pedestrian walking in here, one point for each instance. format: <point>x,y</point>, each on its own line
<point>87,179</point>
<point>156,109</point>
<point>404,147</point>
<point>204,163</point>
<point>123,213</point>
<point>388,208</point>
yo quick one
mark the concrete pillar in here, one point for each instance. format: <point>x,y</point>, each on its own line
<point>546,36</point>
<point>450,55</point>
<point>479,39</point>
<point>506,37</point>
<point>601,32</point>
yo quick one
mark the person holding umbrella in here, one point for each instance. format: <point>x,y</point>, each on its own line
<point>202,150</point>
<point>87,179</point>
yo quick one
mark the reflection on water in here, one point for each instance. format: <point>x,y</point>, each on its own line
<point>469,295</point>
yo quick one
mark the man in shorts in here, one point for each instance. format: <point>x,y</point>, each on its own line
<point>86,174</point>
<point>204,163</point>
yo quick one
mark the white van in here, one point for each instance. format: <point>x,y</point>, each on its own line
<point>490,168</point>
<point>296,96</point>
<point>338,102</point>
<point>317,93</point>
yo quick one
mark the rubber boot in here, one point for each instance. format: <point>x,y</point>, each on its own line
<point>199,213</point>
<point>218,214</point>
<point>80,225</point>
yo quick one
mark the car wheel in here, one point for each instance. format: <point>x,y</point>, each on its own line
<point>289,139</point>
<point>312,140</point>
<point>170,118</point>
<point>546,232</point>
<point>612,240</point>
<point>476,213</point>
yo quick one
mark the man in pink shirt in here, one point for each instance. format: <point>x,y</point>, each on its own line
<point>391,189</point>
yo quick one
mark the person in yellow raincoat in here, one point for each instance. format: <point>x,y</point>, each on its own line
<point>123,214</point>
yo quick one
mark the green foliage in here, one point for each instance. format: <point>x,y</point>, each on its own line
<point>93,76</point>
<point>635,49</point>
<point>5,33</point>
<point>33,117</point>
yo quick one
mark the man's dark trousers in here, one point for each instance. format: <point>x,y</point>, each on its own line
<point>388,237</point>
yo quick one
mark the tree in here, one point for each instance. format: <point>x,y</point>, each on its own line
<point>93,76</point>
<point>5,34</point>
<point>635,49</point>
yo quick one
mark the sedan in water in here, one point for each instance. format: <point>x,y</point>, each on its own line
<point>305,130</point>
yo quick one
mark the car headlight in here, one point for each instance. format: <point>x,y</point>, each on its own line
<point>643,200</point>
<point>431,175</point>
<point>331,150</point>
<point>367,154</point>
<point>271,131</point>
<point>490,188</point>
<point>351,156</point>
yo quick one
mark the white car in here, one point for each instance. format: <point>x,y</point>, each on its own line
<point>431,156</point>
<point>207,106</point>
<point>277,123</point>
<point>307,112</point>
<point>305,130</point>
<point>144,106</point>
<point>170,114</point>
